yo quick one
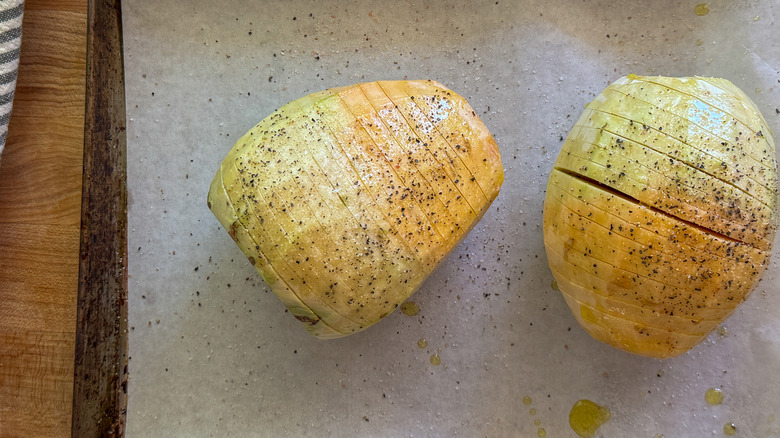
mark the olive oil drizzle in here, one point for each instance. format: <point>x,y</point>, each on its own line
<point>676,144</point>
<point>761,188</point>
<point>280,189</point>
<point>446,141</point>
<point>452,167</point>
<point>706,101</point>
<point>627,198</point>
<point>674,116</point>
<point>642,323</point>
<point>662,264</point>
<point>284,260</point>
<point>713,396</point>
<point>725,248</point>
<point>374,195</point>
<point>421,175</point>
<point>680,313</point>
<point>622,140</point>
<point>279,221</point>
<point>400,144</point>
<point>378,218</point>
<point>625,181</point>
<point>586,417</point>
<point>683,312</point>
<point>279,277</point>
<point>435,162</point>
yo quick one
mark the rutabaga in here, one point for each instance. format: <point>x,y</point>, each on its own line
<point>347,199</point>
<point>661,211</point>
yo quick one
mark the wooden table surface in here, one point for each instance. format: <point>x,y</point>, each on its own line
<point>40,213</point>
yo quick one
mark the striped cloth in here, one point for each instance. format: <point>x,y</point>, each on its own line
<point>11,12</point>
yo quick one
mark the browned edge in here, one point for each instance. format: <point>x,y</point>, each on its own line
<point>100,375</point>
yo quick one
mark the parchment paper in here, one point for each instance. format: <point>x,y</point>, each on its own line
<point>213,352</point>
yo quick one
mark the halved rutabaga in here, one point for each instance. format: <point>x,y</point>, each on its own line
<point>347,199</point>
<point>661,211</point>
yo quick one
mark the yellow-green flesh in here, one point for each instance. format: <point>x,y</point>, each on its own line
<point>347,199</point>
<point>661,211</point>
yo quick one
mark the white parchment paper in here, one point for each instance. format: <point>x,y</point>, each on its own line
<point>213,352</point>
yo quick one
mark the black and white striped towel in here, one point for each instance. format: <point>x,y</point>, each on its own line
<point>11,12</point>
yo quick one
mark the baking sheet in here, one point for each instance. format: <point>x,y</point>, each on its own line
<point>213,352</point>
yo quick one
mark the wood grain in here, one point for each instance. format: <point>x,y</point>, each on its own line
<point>39,270</point>
<point>36,383</point>
<point>42,164</point>
<point>40,211</point>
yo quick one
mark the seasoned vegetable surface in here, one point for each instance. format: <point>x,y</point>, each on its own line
<point>346,200</point>
<point>661,211</point>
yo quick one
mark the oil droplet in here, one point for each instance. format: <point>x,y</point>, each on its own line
<point>541,433</point>
<point>435,359</point>
<point>527,400</point>
<point>422,343</point>
<point>723,331</point>
<point>585,417</point>
<point>729,429</point>
<point>701,9</point>
<point>410,308</point>
<point>714,396</point>
<point>554,285</point>
<point>532,411</point>
<point>537,422</point>
<point>699,42</point>
<point>587,314</point>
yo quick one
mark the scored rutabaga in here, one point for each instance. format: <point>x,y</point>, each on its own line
<point>661,211</point>
<point>346,200</point>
